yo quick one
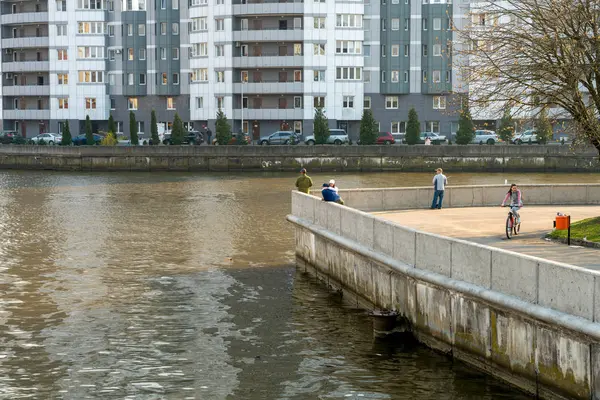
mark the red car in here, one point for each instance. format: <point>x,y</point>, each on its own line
<point>385,138</point>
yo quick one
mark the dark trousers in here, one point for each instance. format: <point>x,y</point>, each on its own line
<point>438,198</point>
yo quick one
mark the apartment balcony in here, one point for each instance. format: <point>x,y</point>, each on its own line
<point>25,18</point>
<point>26,114</point>
<point>274,87</point>
<point>269,35</point>
<point>269,113</point>
<point>268,8</point>
<point>25,42</point>
<point>268,60</point>
<point>25,66</point>
<point>26,90</point>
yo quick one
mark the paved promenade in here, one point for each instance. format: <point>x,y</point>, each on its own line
<point>485,225</point>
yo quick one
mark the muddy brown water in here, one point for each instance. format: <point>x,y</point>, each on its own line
<point>183,286</point>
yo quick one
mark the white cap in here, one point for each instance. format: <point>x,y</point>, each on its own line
<point>332,182</point>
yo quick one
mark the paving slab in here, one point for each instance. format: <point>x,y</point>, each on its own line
<point>485,225</point>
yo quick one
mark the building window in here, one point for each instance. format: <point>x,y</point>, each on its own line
<point>437,24</point>
<point>244,50</point>
<point>129,29</point>
<point>244,77</point>
<point>367,50</point>
<point>366,76</point>
<point>425,50</point>
<point>437,50</point>
<point>436,77</point>
<point>347,47</point>
<point>406,49</point>
<point>298,76</point>
<point>91,76</point>
<point>348,102</point>
<point>319,22</point>
<point>319,75</point>
<point>406,24</point>
<point>395,50</point>
<point>199,102</point>
<point>367,102</point>
<point>62,55</point>
<point>163,28</point>
<point>61,30</point>
<point>142,54</point>
<point>199,24</point>
<point>90,103</point>
<point>448,74</point>
<point>383,50</point>
<point>219,50</point>
<point>140,127</point>
<point>91,28</point>
<point>164,80</point>
<point>175,28</point>
<point>142,29</point>
<point>111,30</point>
<point>176,79</point>
<point>111,55</point>
<point>398,127</point>
<point>405,76</point>
<point>391,102</point>
<point>395,24</point>
<point>175,53</point>
<point>297,102</point>
<point>319,49</point>
<point>220,102</point>
<point>349,21</point>
<point>297,23</point>
<point>111,79</point>
<point>63,103</point>
<point>130,80</point>
<point>219,24</point>
<point>439,102</point>
<point>175,4</point>
<point>395,76</point>
<point>61,5</point>
<point>90,4</point>
<point>432,126</point>
<point>113,104</point>
<point>383,24</point>
<point>130,54</point>
<point>348,73</point>
<point>199,49</point>
<point>92,52</point>
<point>424,23</point>
<point>132,103</point>
<point>220,75</point>
<point>297,49</point>
<point>319,101</point>
<point>163,4</point>
<point>170,103</point>
<point>424,76</point>
<point>163,53</point>
<point>142,79</point>
<point>200,75</point>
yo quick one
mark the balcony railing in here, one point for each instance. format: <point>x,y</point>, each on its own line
<point>268,35</point>
<point>25,18</point>
<point>26,90</point>
<point>25,66</point>
<point>243,2</point>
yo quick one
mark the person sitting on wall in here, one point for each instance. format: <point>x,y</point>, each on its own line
<point>331,195</point>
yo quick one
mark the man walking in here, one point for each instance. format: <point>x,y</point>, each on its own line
<point>304,183</point>
<point>439,185</point>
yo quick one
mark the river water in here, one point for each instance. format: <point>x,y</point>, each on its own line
<point>183,286</point>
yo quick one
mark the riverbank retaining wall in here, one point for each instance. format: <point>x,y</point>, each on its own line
<point>529,321</point>
<point>549,158</point>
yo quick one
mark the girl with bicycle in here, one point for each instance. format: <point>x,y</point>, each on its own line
<point>516,201</point>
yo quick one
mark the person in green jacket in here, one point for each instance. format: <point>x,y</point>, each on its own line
<point>304,183</point>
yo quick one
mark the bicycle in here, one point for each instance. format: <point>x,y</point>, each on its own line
<point>511,226</point>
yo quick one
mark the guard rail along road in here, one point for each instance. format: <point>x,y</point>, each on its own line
<point>529,321</point>
<point>477,158</point>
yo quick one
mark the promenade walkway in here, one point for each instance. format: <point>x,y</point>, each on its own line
<point>485,225</point>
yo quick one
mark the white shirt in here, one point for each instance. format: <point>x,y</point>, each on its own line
<point>440,181</point>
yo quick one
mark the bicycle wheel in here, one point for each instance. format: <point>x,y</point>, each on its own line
<point>509,227</point>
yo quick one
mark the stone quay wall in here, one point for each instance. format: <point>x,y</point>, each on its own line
<point>531,322</point>
<point>551,158</point>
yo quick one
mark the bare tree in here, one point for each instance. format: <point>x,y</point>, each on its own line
<point>534,54</point>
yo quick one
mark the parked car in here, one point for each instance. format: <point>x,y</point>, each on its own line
<point>336,136</point>
<point>399,137</point>
<point>484,136</point>
<point>279,137</point>
<point>82,141</point>
<point>434,137</point>
<point>385,138</point>
<point>528,137</point>
<point>191,138</point>
<point>48,138</point>
<point>8,137</point>
<point>234,139</point>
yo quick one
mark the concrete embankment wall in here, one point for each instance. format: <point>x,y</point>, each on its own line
<point>404,198</point>
<point>529,321</point>
<point>291,158</point>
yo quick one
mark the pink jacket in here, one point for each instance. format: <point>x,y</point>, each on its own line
<point>519,200</point>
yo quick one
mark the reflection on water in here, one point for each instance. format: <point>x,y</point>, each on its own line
<point>175,286</point>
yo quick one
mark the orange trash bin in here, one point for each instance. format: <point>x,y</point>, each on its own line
<point>562,222</point>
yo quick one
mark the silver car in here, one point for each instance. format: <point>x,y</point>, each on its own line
<point>336,136</point>
<point>279,137</point>
<point>485,137</point>
<point>48,138</point>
